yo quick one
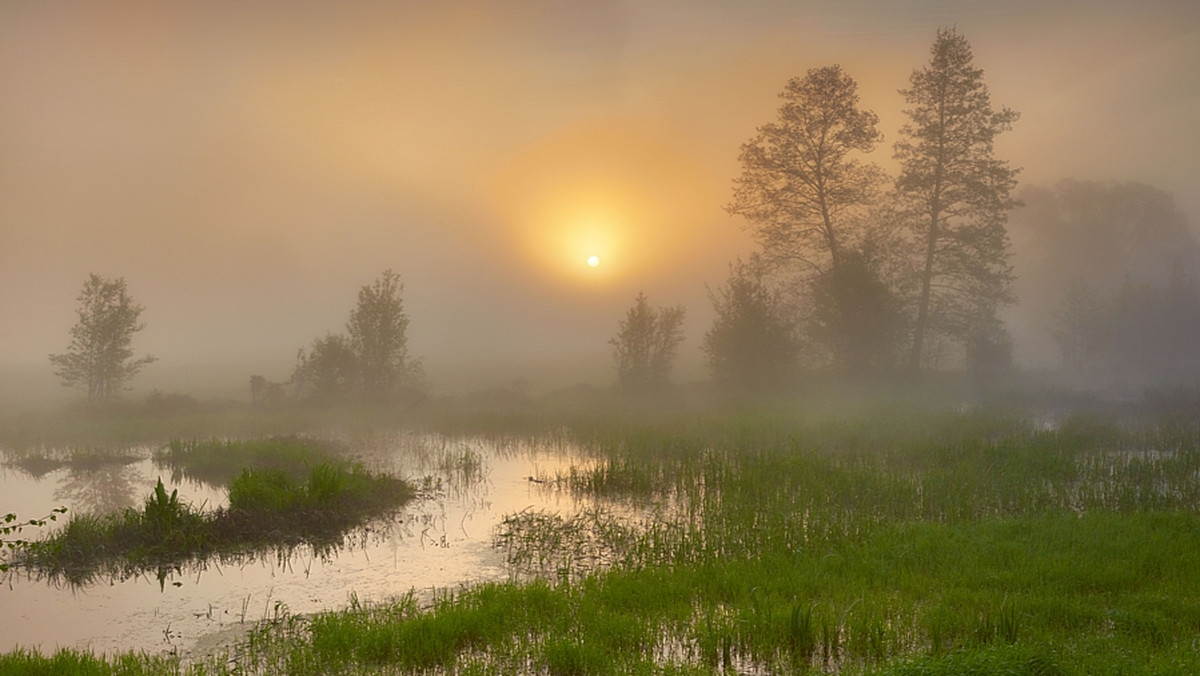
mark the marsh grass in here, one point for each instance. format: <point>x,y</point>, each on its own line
<point>217,462</point>
<point>267,510</point>
<point>775,542</point>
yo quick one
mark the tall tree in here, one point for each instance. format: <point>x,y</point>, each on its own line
<point>802,184</point>
<point>751,344</point>
<point>646,343</point>
<point>100,357</point>
<point>378,332</point>
<point>955,195</point>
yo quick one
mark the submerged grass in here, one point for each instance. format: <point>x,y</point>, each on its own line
<point>771,543</point>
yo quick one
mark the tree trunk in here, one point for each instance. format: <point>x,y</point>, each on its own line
<point>918,344</point>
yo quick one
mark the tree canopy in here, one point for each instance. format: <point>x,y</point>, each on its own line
<point>752,344</point>
<point>646,343</point>
<point>378,331</point>
<point>954,196</point>
<point>371,360</point>
<point>100,358</point>
<point>802,186</point>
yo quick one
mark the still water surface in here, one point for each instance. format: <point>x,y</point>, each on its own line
<point>443,539</point>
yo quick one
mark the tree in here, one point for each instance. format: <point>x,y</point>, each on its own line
<point>646,343</point>
<point>328,372</point>
<point>100,357</point>
<point>954,194</point>
<point>1096,234</point>
<point>1080,328</point>
<point>378,334</point>
<point>801,187</point>
<point>989,348</point>
<point>751,344</point>
<point>856,317</point>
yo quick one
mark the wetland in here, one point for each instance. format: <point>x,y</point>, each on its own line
<point>775,539</point>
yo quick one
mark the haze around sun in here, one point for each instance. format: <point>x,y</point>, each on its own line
<point>247,167</point>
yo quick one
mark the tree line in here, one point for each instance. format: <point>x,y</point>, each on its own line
<point>854,271</point>
<point>369,362</point>
<point>871,275</point>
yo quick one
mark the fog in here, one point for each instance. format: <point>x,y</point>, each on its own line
<point>246,167</point>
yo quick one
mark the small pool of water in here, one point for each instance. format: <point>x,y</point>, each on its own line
<point>443,539</point>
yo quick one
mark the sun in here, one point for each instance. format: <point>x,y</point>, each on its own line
<point>593,261</point>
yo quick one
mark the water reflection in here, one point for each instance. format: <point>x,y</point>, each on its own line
<point>442,539</point>
<point>39,462</point>
<point>103,490</point>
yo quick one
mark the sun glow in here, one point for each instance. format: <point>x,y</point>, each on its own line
<point>613,197</point>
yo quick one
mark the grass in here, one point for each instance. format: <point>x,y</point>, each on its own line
<point>766,541</point>
<point>269,509</point>
<point>217,462</point>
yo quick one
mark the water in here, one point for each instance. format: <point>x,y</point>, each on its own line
<point>443,539</point>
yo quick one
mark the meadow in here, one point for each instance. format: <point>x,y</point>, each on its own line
<point>873,539</point>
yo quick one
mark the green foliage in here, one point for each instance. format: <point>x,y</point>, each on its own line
<point>802,188</point>
<point>217,462</point>
<point>100,357</point>
<point>645,345</point>
<point>856,318</point>
<point>70,662</point>
<point>268,508</point>
<point>786,543</point>
<point>954,195</point>
<point>751,344</point>
<point>370,363</point>
<point>11,525</point>
<point>264,490</point>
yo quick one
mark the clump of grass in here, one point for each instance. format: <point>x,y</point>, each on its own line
<point>267,509</point>
<point>163,532</point>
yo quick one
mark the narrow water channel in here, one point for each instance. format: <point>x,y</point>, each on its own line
<point>442,539</point>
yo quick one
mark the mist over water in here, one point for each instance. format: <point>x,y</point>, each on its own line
<point>248,169</point>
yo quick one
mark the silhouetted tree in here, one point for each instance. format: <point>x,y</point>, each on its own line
<point>1080,328</point>
<point>328,372</point>
<point>378,333</point>
<point>802,188</point>
<point>100,357</point>
<point>646,343</point>
<point>1143,332</point>
<point>1100,235</point>
<point>371,361</point>
<point>989,348</point>
<point>954,194</point>
<point>856,317</point>
<point>751,343</point>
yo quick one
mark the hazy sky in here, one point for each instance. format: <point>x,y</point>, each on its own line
<point>247,166</point>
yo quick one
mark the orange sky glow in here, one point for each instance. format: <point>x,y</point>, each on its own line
<point>247,166</point>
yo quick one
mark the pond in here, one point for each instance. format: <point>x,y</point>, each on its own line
<point>444,538</point>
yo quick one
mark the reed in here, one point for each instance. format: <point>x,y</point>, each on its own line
<point>769,541</point>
